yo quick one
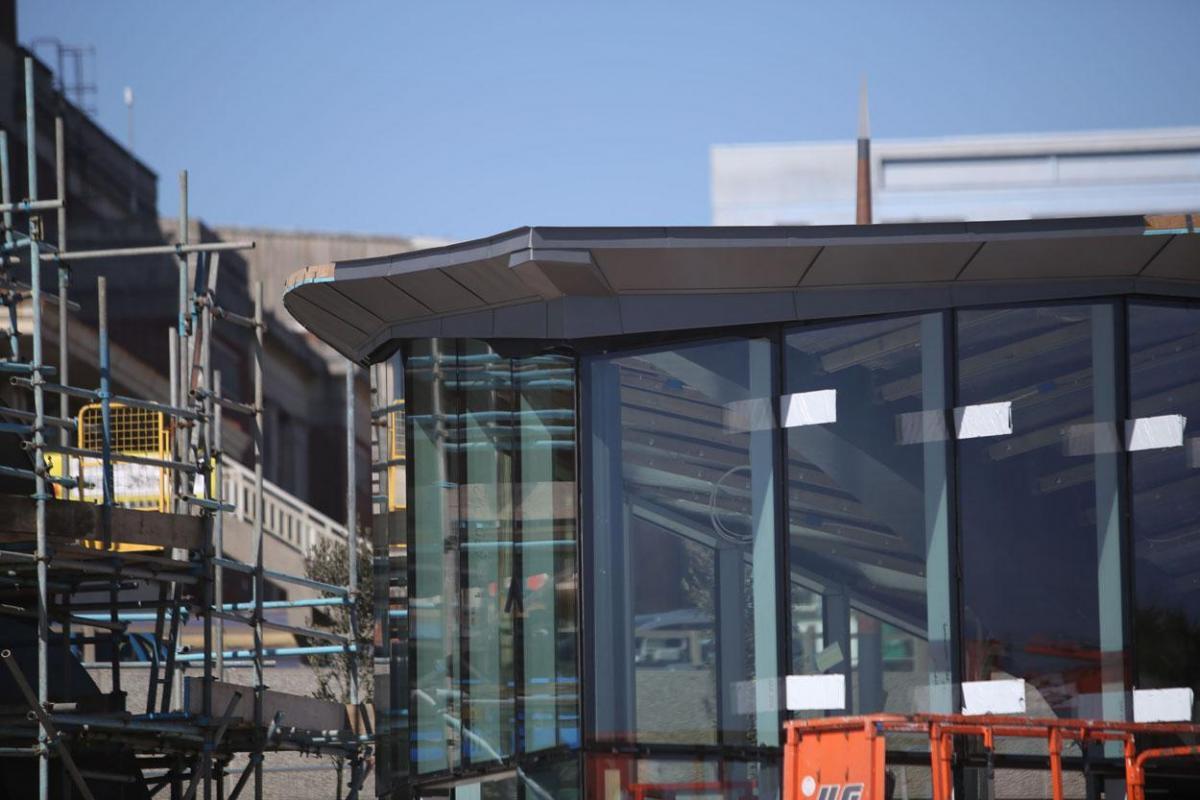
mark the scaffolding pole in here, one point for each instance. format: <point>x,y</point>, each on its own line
<point>259,510</point>
<point>39,457</point>
<point>193,420</point>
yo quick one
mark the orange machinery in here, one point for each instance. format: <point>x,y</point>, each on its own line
<point>844,758</point>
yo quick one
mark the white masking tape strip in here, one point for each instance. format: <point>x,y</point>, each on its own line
<point>1163,705</point>
<point>994,697</point>
<point>1155,433</point>
<point>809,408</point>
<point>816,692</point>
<point>984,419</point>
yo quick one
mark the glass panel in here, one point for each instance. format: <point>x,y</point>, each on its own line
<point>546,422</point>
<point>683,778</point>
<point>491,444</point>
<point>1040,506</point>
<point>390,540</point>
<point>432,432</point>
<point>1164,379</point>
<point>684,545</point>
<point>868,513</point>
<point>484,391</point>
<point>554,780</point>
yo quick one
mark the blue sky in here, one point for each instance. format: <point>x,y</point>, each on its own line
<point>459,119</point>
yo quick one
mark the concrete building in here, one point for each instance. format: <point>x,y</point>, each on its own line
<point>960,178</point>
<point>652,471</point>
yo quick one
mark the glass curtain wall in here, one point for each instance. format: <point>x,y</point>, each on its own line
<point>684,629</point>
<point>489,543</point>
<point>390,555</point>
<point>435,706</point>
<point>959,486</point>
<point>546,518</point>
<point>1040,471</point>
<point>868,523</point>
<point>1164,444</point>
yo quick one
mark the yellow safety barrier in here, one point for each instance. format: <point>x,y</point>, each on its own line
<point>134,432</point>
<point>396,490</point>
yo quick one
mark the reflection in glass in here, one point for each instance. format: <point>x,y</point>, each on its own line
<point>492,632</point>
<point>1040,508</point>
<point>868,516</point>
<point>684,623</point>
<point>546,515</point>
<point>390,548</point>
<point>435,705</point>
<point>683,777</point>
<point>1164,379</point>
<point>484,392</point>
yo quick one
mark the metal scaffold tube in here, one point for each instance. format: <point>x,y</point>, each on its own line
<point>218,531</point>
<point>259,511</point>
<point>39,400</point>
<point>352,527</point>
<point>106,477</point>
<point>100,550</point>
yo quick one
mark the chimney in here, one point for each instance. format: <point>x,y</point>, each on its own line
<point>863,210</point>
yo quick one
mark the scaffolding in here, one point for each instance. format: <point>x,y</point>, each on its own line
<point>53,546</point>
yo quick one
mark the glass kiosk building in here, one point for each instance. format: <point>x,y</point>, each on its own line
<point>632,478</point>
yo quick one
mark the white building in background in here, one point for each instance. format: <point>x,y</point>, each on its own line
<point>960,178</point>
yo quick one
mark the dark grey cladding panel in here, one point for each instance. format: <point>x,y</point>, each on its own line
<point>437,291</point>
<point>475,325</point>
<point>560,272</point>
<point>525,321</point>
<point>1166,288</point>
<point>337,332</point>
<point>1062,257</point>
<point>583,317</point>
<point>672,269</point>
<point>696,278</point>
<point>329,297</point>
<point>1178,258</point>
<point>988,293</point>
<point>822,303</point>
<point>492,280</point>
<point>642,313</point>
<point>463,253</point>
<point>889,263</point>
<point>382,298</point>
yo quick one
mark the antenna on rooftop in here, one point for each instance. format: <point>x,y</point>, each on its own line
<point>863,206</point>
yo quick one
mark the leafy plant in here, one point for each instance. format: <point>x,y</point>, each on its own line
<point>329,562</point>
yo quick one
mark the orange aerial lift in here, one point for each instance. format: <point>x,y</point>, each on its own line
<point>844,758</point>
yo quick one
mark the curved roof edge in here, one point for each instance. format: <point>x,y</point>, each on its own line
<point>570,283</point>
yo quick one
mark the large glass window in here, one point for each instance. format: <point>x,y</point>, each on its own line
<point>623,776</point>
<point>490,557</point>
<point>435,706</point>
<point>868,510</point>
<point>545,420</point>
<point>1040,504</point>
<point>390,554</point>
<point>1164,385</point>
<point>683,619</point>
<point>490,600</point>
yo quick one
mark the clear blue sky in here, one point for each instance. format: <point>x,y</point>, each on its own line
<point>461,119</point>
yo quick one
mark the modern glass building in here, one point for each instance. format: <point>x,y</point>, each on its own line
<point>630,479</point>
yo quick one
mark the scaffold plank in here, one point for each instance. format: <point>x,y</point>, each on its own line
<point>75,520</point>
<point>298,711</point>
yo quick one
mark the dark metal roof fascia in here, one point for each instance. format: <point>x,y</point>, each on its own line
<point>530,251</point>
